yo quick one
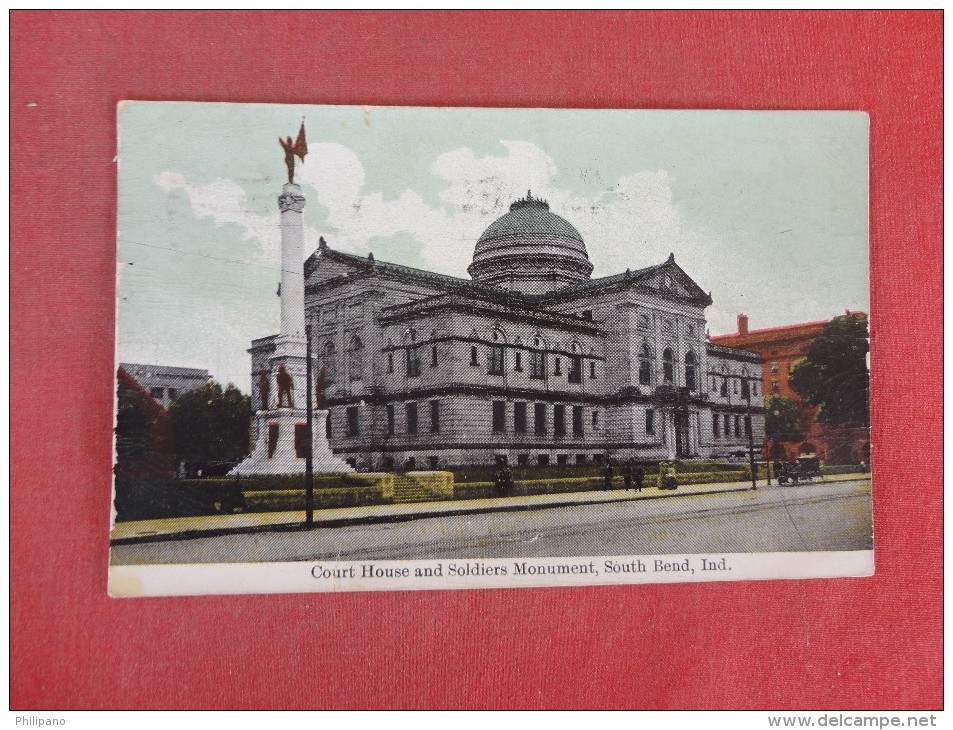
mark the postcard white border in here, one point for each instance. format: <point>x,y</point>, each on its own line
<point>127,581</point>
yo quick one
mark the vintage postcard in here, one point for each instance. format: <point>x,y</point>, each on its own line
<point>394,348</point>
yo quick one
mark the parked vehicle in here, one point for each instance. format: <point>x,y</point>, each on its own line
<point>802,469</point>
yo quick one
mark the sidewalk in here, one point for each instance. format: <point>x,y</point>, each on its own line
<point>179,528</point>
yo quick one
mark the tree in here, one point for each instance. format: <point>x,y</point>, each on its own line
<point>211,425</point>
<point>833,375</point>
<point>144,448</point>
<point>782,418</point>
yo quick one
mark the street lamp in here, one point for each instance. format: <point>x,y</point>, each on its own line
<point>308,456</point>
<point>749,427</point>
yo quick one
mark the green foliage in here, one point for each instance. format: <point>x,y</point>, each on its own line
<point>782,418</point>
<point>211,424</point>
<point>133,425</point>
<point>833,374</point>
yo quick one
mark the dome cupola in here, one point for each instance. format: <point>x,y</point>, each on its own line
<point>530,250</point>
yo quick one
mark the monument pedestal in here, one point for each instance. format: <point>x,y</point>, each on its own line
<point>281,444</point>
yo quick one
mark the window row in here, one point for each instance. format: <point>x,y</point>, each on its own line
<point>496,363</point>
<point>739,385</point>
<point>411,412</point>
<point>721,423</point>
<point>646,362</point>
<point>563,418</point>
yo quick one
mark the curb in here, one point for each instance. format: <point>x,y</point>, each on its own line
<point>388,518</point>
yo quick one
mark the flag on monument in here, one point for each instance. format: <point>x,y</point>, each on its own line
<point>301,144</point>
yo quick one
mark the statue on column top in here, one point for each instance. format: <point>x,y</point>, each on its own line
<point>299,147</point>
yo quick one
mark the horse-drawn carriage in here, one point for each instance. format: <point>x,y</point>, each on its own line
<point>802,469</point>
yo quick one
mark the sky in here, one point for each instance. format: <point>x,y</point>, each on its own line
<point>766,210</point>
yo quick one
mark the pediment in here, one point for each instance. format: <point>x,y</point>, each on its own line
<point>670,279</point>
<point>324,266</point>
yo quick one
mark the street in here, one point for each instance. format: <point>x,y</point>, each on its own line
<point>813,517</point>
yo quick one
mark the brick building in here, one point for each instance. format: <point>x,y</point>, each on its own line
<point>780,348</point>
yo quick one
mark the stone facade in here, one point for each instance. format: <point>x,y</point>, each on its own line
<point>531,360</point>
<point>165,383</point>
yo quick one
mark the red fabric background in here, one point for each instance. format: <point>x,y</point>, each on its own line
<point>865,643</point>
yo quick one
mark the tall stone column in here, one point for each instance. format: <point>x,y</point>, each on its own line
<point>291,203</point>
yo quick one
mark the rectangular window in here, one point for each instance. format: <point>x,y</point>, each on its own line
<point>539,418</point>
<point>390,420</point>
<point>301,440</point>
<point>559,420</point>
<point>716,425</point>
<point>645,371</point>
<point>411,418</point>
<point>580,458</point>
<point>434,416</point>
<point>518,357</point>
<point>727,422</point>
<point>473,356</point>
<point>519,417</point>
<point>592,369</point>
<point>556,366</point>
<point>537,365</point>
<point>499,416</point>
<point>737,425</point>
<point>595,419</point>
<point>754,386</point>
<point>433,356</point>
<point>353,424</point>
<point>496,360</point>
<point>562,459</point>
<point>650,421</point>
<point>575,369</point>
<point>390,362</point>
<point>413,362</point>
<point>156,393</point>
<point>542,460</point>
<point>577,420</point>
<point>736,387</point>
<point>745,388</point>
<point>327,425</point>
<point>522,459</point>
<point>747,425</point>
<point>173,393</point>
<point>432,463</point>
<point>587,315</point>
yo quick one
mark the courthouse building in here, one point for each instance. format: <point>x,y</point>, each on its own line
<point>531,359</point>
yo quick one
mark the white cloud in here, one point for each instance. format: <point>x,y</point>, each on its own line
<point>632,223</point>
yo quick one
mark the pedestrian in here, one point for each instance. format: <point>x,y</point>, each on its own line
<point>607,474</point>
<point>639,475</point>
<point>499,480</point>
<point>507,480</point>
<point>627,474</point>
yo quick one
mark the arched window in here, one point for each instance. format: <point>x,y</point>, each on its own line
<point>643,322</point>
<point>645,365</point>
<point>690,369</point>
<point>329,359</point>
<point>356,359</point>
<point>668,365</point>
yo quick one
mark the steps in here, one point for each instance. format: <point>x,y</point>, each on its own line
<point>408,489</point>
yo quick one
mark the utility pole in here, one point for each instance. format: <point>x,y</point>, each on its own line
<point>749,425</point>
<point>308,455</point>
